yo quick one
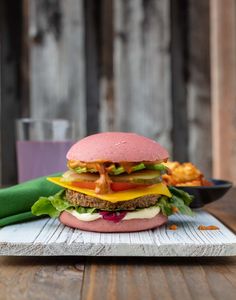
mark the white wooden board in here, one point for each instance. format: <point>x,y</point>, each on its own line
<point>47,237</point>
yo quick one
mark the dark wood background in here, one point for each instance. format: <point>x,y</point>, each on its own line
<point>132,65</point>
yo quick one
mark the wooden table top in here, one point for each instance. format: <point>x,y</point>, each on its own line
<point>124,278</point>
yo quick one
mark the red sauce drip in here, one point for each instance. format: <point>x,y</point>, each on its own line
<point>103,184</point>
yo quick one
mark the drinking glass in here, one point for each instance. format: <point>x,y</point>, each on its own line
<point>42,146</point>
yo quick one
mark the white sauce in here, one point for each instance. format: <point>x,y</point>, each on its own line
<point>86,216</point>
<point>145,213</point>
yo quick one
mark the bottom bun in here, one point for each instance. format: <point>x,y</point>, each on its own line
<point>102,225</point>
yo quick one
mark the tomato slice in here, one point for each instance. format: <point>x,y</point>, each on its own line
<point>115,186</point>
<point>84,184</point>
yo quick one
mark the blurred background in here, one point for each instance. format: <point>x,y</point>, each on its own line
<point>162,68</point>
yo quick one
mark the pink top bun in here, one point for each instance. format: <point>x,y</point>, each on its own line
<point>117,147</point>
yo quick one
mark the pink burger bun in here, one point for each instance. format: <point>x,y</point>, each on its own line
<point>117,147</point>
<point>101,225</point>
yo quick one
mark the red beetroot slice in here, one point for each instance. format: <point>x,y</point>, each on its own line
<point>115,217</point>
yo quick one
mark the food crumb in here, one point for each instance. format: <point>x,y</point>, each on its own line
<point>173,227</point>
<point>175,209</point>
<point>209,227</point>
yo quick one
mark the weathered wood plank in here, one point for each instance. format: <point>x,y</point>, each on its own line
<point>37,278</point>
<point>163,278</point>
<point>198,86</point>
<point>92,47</point>
<point>9,86</point>
<point>24,64</point>
<point>142,68</point>
<point>223,71</point>
<point>179,62</point>
<point>48,237</point>
<point>107,97</point>
<point>57,61</point>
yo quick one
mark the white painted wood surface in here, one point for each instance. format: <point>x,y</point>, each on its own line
<point>47,237</point>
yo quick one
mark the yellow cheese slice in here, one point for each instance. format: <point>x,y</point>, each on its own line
<point>158,189</point>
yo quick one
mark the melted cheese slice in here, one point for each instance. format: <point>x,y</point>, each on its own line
<point>155,189</point>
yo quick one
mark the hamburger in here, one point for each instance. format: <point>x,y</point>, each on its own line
<point>114,184</point>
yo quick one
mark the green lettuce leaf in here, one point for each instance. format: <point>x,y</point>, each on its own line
<point>119,170</point>
<point>138,167</point>
<point>80,170</point>
<point>182,207</point>
<point>165,206</point>
<point>59,202</point>
<point>44,207</point>
<point>181,195</point>
<point>85,210</point>
<point>54,205</point>
<point>179,199</point>
<point>158,167</point>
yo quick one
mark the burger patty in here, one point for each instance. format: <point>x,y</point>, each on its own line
<point>80,199</point>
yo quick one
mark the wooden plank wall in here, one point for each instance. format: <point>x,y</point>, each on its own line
<point>139,100</point>
<point>10,53</point>
<point>142,68</point>
<point>57,64</point>
<point>179,66</point>
<point>121,65</point>
<point>198,85</point>
<point>223,70</point>
<point>191,103</point>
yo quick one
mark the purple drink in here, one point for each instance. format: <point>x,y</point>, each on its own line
<point>41,158</point>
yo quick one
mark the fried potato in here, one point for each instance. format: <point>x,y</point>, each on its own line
<point>185,174</point>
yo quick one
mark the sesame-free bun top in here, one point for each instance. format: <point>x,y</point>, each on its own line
<point>117,147</point>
